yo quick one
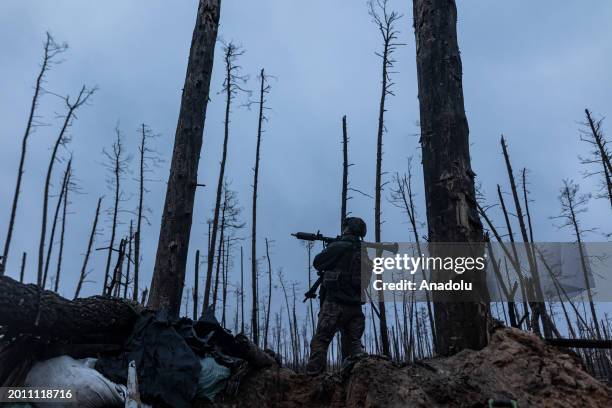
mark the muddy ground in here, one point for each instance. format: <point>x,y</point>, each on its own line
<point>515,365</point>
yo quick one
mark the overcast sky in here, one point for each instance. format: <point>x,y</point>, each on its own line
<point>530,69</point>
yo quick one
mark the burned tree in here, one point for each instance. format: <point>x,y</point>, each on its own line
<point>403,197</point>
<point>69,186</point>
<point>147,159</point>
<point>538,308</point>
<point>129,259</point>
<point>196,283</point>
<point>171,258</point>
<point>267,321</point>
<point>60,199</point>
<point>24,258</point>
<point>62,139</point>
<point>231,88</point>
<point>117,162</point>
<point>92,237</point>
<point>230,222</point>
<point>600,154</point>
<point>449,180</point>
<point>572,205</point>
<point>264,89</point>
<point>51,50</point>
<point>345,166</point>
<point>385,22</point>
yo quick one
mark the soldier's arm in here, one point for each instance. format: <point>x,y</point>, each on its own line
<point>327,259</point>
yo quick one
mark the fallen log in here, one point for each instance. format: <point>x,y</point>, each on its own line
<point>579,343</point>
<point>26,309</point>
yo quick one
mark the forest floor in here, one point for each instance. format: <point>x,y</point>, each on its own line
<point>515,365</point>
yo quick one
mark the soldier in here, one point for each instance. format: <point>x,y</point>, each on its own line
<point>339,264</point>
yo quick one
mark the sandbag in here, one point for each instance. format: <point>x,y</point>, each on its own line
<point>213,378</point>
<point>91,389</point>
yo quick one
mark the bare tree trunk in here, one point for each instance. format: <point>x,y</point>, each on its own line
<point>220,256</point>
<point>51,49</point>
<point>60,199</point>
<point>570,196</point>
<point>224,273</point>
<point>241,291</point>
<point>603,153</point>
<point>220,253</point>
<point>406,195</point>
<point>196,282</point>
<point>267,322</point>
<point>143,138</point>
<point>23,264</point>
<point>309,245</point>
<point>82,98</point>
<point>231,52</point>
<point>92,237</point>
<point>129,261</point>
<point>385,24</point>
<point>449,180</point>
<point>538,308</point>
<point>115,283</point>
<point>171,258</point>
<point>263,89</point>
<point>345,166</point>
<point>116,157</point>
<point>63,231</point>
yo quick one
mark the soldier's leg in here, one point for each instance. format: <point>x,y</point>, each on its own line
<point>351,330</point>
<point>327,326</point>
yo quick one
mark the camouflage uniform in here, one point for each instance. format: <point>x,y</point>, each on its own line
<point>334,317</point>
<point>341,298</point>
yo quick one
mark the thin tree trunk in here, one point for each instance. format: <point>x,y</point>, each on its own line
<point>217,269</point>
<point>385,25</point>
<point>23,264</point>
<point>63,231</point>
<point>175,231</point>
<point>254,314</point>
<point>309,246</point>
<point>92,237</point>
<point>50,50</point>
<point>60,199</point>
<point>538,308</point>
<point>267,322</point>
<point>241,291</point>
<point>196,280</point>
<point>229,85</point>
<point>345,167</point>
<point>219,255</point>
<point>407,195</point>
<point>141,191</point>
<point>449,180</point>
<point>603,153</point>
<point>129,261</point>
<point>583,261</point>
<point>224,273</point>
<point>117,158</point>
<point>115,283</point>
<point>83,96</point>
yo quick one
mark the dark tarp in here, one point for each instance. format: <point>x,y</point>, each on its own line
<point>168,368</point>
<point>167,354</point>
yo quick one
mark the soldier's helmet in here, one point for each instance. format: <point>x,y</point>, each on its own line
<point>356,226</point>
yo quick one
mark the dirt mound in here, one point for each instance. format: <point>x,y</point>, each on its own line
<point>515,365</point>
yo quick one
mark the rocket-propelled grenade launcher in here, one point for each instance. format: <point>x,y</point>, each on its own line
<point>308,236</point>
